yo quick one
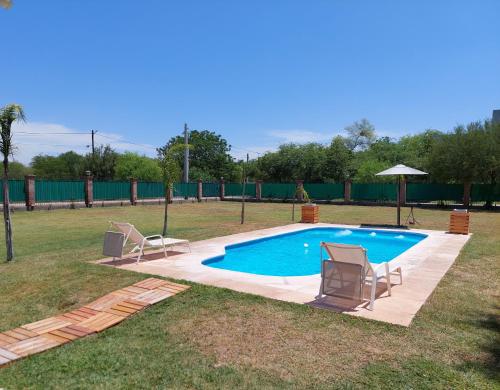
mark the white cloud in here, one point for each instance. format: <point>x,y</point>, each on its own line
<point>300,136</point>
<point>33,138</point>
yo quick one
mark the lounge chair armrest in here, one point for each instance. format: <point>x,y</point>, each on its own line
<point>153,236</point>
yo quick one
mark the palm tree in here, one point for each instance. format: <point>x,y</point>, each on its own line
<point>171,172</point>
<point>8,114</point>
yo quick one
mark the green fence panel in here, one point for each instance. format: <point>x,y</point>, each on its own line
<point>428,192</point>
<point>16,191</point>
<point>278,190</point>
<point>485,193</point>
<point>183,190</point>
<point>324,191</point>
<point>59,190</point>
<point>380,192</point>
<point>236,189</point>
<point>150,190</point>
<point>211,190</point>
<point>111,190</point>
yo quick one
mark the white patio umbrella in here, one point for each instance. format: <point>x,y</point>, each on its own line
<point>400,170</point>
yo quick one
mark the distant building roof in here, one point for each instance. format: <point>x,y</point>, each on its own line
<point>496,116</point>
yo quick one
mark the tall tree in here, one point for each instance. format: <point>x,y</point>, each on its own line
<point>102,162</point>
<point>131,164</point>
<point>208,155</point>
<point>68,165</point>
<point>292,162</point>
<point>467,154</point>
<point>339,160</point>
<point>168,158</point>
<point>360,134</point>
<point>18,170</point>
<point>8,115</point>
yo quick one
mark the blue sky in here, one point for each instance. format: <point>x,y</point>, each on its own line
<point>258,72</point>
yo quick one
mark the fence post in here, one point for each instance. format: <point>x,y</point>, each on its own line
<point>467,188</point>
<point>300,187</point>
<point>29,192</point>
<point>258,189</point>
<point>89,189</point>
<point>199,193</point>
<point>222,189</point>
<point>133,191</point>
<point>347,190</point>
<point>402,192</point>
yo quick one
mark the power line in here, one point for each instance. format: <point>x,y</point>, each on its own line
<point>126,142</point>
<point>35,133</point>
<point>245,150</point>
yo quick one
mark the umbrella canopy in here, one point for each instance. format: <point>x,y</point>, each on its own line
<point>401,169</point>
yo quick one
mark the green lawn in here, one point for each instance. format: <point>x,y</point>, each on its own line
<point>212,338</point>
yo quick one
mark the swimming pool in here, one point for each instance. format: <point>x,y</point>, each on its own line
<point>298,253</point>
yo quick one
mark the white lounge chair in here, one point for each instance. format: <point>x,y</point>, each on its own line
<point>155,241</point>
<point>347,271</point>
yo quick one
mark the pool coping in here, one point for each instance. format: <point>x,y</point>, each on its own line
<point>423,267</point>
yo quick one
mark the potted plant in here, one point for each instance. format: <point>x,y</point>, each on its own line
<point>310,211</point>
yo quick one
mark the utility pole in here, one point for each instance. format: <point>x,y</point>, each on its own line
<point>186,154</point>
<point>243,192</point>
<point>93,144</point>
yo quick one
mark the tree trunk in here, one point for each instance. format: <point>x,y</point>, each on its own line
<point>6,212</point>
<point>242,220</point>
<point>165,215</point>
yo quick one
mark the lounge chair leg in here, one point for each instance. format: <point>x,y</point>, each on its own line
<point>320,293</point>
<point>400,275</point>
<point>388,279</point>
<point>372,295</point>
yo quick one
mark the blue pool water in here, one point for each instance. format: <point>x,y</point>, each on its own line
<point>298,253</point>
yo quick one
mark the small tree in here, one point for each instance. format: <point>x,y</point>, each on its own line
<point>171,172</point>
<point>300,193</point>
<point>8,115</point>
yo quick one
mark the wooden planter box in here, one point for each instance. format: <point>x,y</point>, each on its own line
<point>310,213</point>
<point>459,222</point>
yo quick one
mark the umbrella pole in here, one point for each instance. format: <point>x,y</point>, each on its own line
<point>399,200</point>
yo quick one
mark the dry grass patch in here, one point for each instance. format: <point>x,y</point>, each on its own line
<point>294,345</point>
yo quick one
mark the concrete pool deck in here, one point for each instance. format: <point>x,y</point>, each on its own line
<point>423,266</point>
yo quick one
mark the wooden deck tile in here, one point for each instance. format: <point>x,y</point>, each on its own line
<point>32,345</point>
<point>153,296</point>
<point>45,326</point>
<point>6,340</point>
<point>101,321</point>
<point>150,283</point>
<point>129,292</point>
<point>63,334</point>
<point>57,338</point>
<point>74,319</point>
<point>7,356</point>
<point>134,304</point>
<point>104,302</point>
<point>94,317</point>
<point>76,330</point>
<point>26,332</point>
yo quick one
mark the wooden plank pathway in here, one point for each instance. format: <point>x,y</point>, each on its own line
<point>94,317</point>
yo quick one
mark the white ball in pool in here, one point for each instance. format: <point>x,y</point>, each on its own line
<point>306,245</point>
